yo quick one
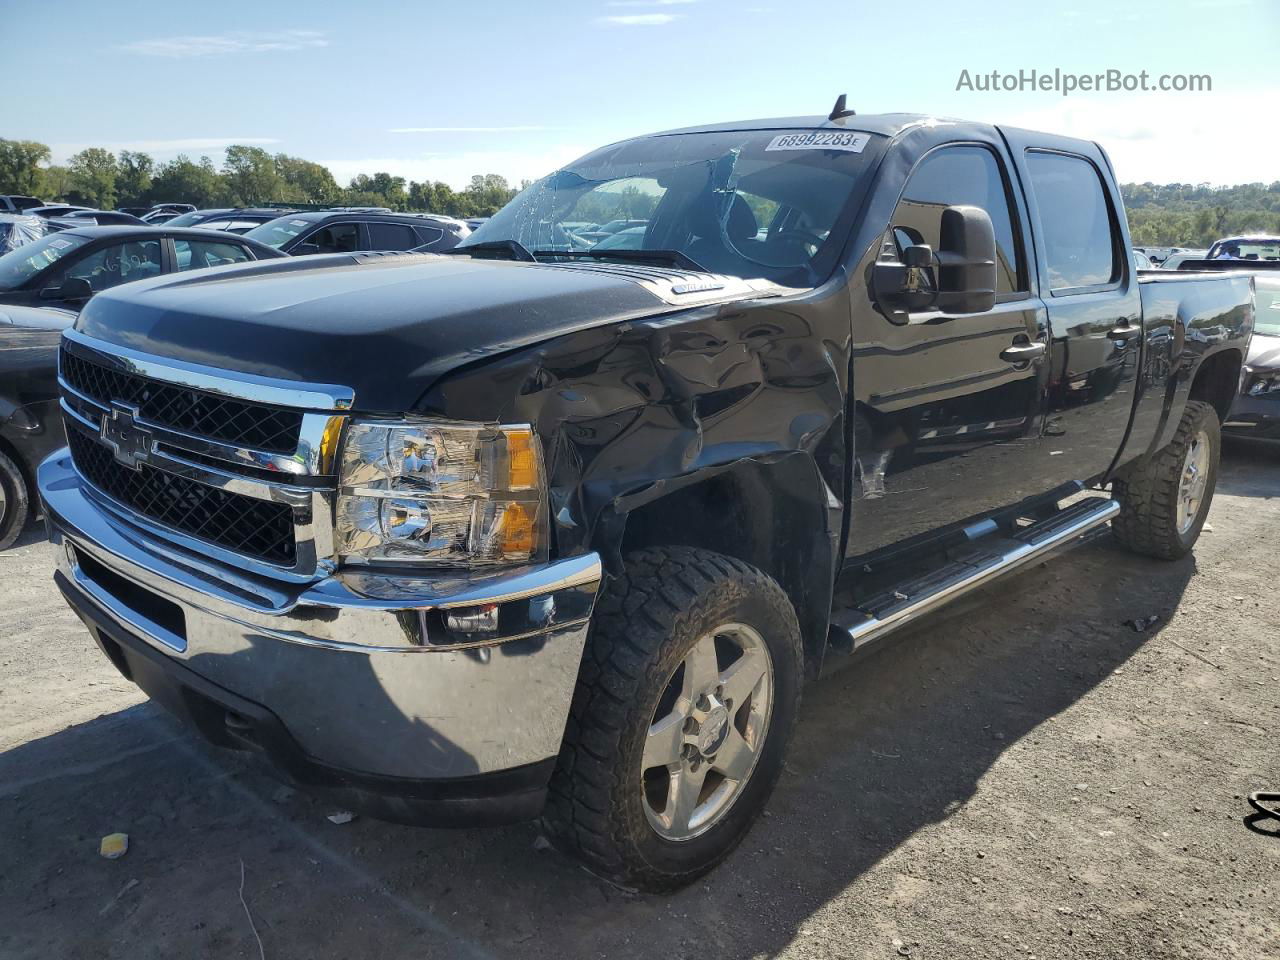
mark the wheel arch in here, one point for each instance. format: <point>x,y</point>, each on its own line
<point>1217,380</point>
<point>777,515</point>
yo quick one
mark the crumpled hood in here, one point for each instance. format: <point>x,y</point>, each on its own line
<point>387,327</point>
<point>1264,352</point>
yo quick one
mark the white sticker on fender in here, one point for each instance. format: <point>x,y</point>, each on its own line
<point>845,140</point>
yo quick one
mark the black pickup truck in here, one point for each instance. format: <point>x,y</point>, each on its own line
<point>537,530</point>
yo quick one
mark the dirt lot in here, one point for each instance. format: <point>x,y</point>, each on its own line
<point>1020,776</point>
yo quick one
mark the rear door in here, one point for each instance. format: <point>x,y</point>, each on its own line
<point>947,418</point>
<point>1091,289</point>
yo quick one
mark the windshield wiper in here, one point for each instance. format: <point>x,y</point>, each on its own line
<point>675,258</point>
<point>517,249</point>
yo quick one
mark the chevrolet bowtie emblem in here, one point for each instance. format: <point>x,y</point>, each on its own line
<point>129,442</point>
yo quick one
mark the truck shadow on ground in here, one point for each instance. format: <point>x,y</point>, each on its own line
<point>1248,467</point>
<point>896,741</point>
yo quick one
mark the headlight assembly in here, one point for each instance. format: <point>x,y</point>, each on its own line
<point>440,493</point>
<point>1262,381</point>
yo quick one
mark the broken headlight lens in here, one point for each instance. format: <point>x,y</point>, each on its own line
<point>1262,381</point>
<point>449,494</point>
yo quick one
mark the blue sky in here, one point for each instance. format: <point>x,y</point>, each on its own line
<point>440,90</point>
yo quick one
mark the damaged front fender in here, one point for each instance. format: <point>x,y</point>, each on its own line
<point>720,427</point>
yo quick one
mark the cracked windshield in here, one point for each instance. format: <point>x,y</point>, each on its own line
<point>747,204</point>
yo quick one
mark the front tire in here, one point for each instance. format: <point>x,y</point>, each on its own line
<point>1165,497</point>
<point>684,705</point>
<point>14,502</point>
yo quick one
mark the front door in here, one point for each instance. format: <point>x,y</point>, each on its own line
<point>948,419</point>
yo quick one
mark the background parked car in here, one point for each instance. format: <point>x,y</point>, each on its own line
<point>67,268</point>
<point>597,234</point>
<point>1172,261</point>
<point>15,203</point>
<point>17,230</point>
<point>102,218</point>
<point>1256,247</point>
<point>1256,412</point>
<point>54,210</point>
<point>632,238</point>
<point>30,424</point>
<point>346,231</point>
<point>164,212</point>
<point>230,219</point>
<point>1141,261</point>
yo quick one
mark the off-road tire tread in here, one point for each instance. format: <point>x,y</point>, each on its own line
<point>17,502</point>
<point>637,613</point>
<point>1148,489</point>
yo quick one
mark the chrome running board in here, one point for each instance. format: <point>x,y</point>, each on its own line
<point>888,611</point>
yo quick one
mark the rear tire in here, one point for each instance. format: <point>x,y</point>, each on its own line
<point>1165,497</point>
<point>685,702</point>
<point>14,502</point>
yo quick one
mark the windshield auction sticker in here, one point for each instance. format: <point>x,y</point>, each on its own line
<point>821,140</point>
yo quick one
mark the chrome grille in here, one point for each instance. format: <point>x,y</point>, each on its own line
<point>256,528</point>
<point>225,419</point>
<point>236,467</point>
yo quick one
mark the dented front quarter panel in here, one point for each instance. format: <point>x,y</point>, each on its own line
<point>632,412</point>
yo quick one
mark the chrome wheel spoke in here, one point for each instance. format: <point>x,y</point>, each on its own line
<point>682,801</point>
<point>736,758</point>
<point>701,671</point>
<point>665,742</point>
<point>743,675</point>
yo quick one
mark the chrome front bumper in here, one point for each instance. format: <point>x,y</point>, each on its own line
<point>362,670</point>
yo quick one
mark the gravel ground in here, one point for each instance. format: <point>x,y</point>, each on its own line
<point>1021,775</point>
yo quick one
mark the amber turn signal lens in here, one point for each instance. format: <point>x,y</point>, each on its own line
<point>518,537</point>
<point>522,459</point>
<point>329,443</point>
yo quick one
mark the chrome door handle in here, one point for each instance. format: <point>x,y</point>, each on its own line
<point>1124,333</point>
<point>1022,352</point>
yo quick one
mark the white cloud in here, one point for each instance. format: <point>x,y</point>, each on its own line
<point>457,169</point>
<point>467,129</point>
<point>1170,138</point>
<point>640,19</point>
<point>161,148</point>
<point>212,45</point>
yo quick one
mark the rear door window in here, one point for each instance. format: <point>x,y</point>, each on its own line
<point>198,254</point>
<point>429,235</point>
<point>1076,223</point>
<point>392,236</point>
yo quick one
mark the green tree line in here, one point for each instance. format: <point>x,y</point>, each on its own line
<point>1195,215</point>
<point>248,176</point>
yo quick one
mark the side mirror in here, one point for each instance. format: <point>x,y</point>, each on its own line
<point>305,249</point>
<point>71,289</point>
<point>959,278</point>
<point>966,261</point>
<point>901,286</point>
